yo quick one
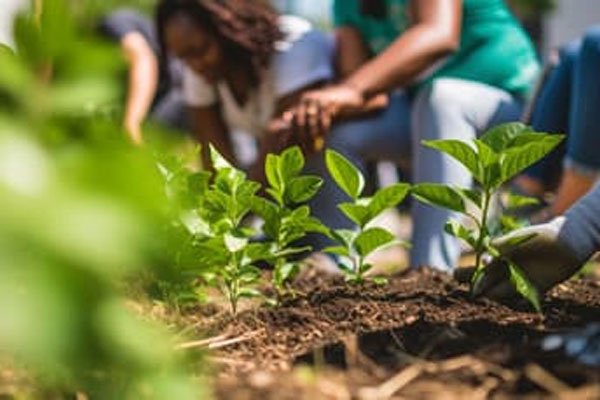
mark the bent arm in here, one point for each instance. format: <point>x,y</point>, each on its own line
<point>434,34</point>
<point>209,128</point>
<point>143,81</point>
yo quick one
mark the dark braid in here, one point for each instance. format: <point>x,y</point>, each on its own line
<point>248,28</point>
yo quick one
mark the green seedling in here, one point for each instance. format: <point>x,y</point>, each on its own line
<point>356,245</point>
<point>220,249</point>
<point>493,159</point>
<point>286,218</point>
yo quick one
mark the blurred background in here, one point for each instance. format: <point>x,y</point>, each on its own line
<point>81,214</point>
<point>550,22</point>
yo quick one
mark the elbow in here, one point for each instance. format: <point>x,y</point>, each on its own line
<point>447,44</point>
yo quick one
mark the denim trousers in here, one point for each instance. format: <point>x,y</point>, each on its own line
<point>569,103</point>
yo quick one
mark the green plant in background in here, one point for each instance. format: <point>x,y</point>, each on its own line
<point>220,249</point>
<point>495,158</point>
<point>356,245</point>
<point>287,220</point>
<point>81,213</point>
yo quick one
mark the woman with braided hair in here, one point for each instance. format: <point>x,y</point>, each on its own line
<point>243,65</point>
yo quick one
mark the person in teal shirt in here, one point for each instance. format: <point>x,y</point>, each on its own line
<point>451,69</point>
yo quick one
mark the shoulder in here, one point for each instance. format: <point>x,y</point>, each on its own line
<point>118,23</point>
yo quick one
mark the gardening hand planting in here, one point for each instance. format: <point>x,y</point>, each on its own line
<point>557,250</point>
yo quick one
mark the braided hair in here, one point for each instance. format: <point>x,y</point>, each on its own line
<point>248,29</point>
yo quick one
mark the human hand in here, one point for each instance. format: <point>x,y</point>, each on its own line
<point>545,259</point>
<point>317,109</point>
<point>134,132</point>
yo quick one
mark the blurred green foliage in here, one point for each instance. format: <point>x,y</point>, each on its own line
<point>81,211</point>
<point>87,12</point>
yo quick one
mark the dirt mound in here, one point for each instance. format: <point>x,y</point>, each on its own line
<point>422,325</point>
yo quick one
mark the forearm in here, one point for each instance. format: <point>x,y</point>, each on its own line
<point>142,83</point>
<point>581,230</point>
<point>435,35</point>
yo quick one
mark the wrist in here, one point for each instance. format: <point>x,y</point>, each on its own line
<point>356,88</point>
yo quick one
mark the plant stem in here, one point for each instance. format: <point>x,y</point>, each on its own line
<point>482,229</point>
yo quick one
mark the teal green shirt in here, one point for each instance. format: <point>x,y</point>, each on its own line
<point>494,49</point>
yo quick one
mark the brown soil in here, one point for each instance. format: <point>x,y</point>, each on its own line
<point>420,336</point>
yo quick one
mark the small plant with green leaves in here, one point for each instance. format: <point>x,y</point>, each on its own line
<point>356,245</point>
<point>221,250</point>
<point>287,219</point>
<point>493,159</point>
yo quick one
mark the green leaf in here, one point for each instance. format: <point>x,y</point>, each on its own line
<point>257,252</point>
<point>500,137</point>
<point>339,250</point>
<point>439,195</point>
<point>275,195</point>
<point>272,173</point>
<point>515,201</point>
<point>458,230</point>
<point>286,273</point>
<point>198,182</point>
<point>235,244</point>
<point>472,195</point>
<point>516,159</point>
<point>301,189</point>
<point>344,236</point>
<point>357,213</point>
<point>269,212</point>
<point>365,268</point>
<point>490,161</point>
<point>509,223</point>
<point>524,286</point>
<point>249,274</point>
<point>486,155</point>
<point>291,162</point>
<point>460,151</point>
<point>346,175</point>
<point>290,251</point>
<point>516,241</point>
<point>313,225</point>
<point>372,239</point>
<point>218,161</point>
<point>387,197</point>
<point>380,280</point>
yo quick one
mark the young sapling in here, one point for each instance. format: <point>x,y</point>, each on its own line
<point>495,158</point>
<point>356,245</point>
<point>286,218</point>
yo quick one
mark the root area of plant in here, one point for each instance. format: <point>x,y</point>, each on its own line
<point>421,336</point>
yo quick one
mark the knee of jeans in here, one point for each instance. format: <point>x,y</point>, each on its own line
<point>570,51</point>
<point>591,40</point>
<point>440,93</point>
<point>432,101</point>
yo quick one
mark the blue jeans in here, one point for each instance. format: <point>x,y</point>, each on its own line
<point>569,103</point>
<point>447,109</point>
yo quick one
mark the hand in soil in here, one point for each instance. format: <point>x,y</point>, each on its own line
<point>544,259</point>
